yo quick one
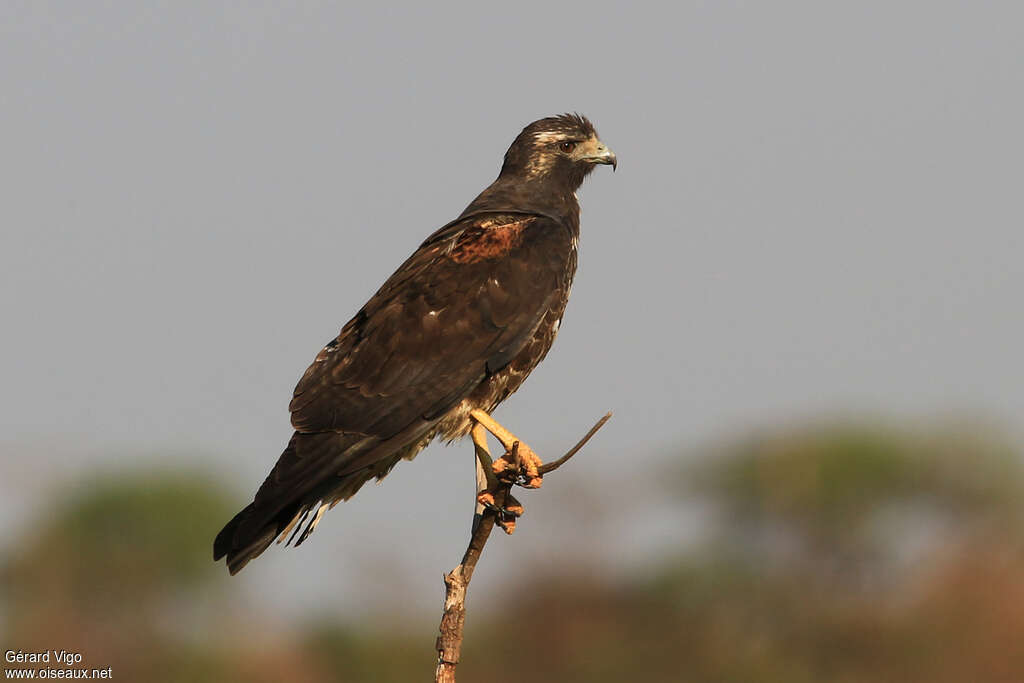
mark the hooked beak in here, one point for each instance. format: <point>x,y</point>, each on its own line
<point>595,152</point>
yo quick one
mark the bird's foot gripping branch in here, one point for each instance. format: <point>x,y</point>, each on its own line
<point>508,510</point>
<point>498,507</point>
<point>519,465</point>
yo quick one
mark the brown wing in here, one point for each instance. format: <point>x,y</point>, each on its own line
<point>460,308</point>
<point>463,305</point>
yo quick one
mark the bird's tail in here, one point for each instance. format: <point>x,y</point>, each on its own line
<point>239,550</point>
<point>294,496</point>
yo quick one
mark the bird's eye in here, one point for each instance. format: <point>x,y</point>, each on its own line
<point>567,146</point>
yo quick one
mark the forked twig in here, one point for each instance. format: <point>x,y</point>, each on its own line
<point>449,642</point>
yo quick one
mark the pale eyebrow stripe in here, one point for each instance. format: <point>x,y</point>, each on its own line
<point>545,136</point>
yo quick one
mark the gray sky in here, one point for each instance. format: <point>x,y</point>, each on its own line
<point>817,212</point>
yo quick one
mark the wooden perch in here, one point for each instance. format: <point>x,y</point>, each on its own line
<point>456,582</point>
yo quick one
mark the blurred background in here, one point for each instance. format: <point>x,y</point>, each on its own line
<point>800,294</point>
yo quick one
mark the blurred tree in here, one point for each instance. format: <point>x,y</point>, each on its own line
<point>116,548</point>
<point>846,553</point>
<point>121,570</point>
<point>807,575</point>
<point>859,504</point>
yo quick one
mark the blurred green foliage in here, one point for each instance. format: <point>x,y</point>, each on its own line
<point>833,476</point>
<point>844,553</point>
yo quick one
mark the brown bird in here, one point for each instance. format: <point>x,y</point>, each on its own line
<point>450,335</point>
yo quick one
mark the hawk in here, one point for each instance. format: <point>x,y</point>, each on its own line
<point>449,336</point>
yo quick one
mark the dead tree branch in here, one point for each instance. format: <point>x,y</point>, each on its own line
<point>456,582</point>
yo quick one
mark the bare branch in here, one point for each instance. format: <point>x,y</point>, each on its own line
<point>456,582</point>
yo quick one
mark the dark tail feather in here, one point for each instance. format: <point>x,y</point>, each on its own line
<point>239,550</point>
<point>305,480</point>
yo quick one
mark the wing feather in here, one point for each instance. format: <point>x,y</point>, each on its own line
<point>460,308</point>
<point>436,328</point>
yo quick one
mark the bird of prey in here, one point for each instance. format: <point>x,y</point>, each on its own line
<point>451,334</point>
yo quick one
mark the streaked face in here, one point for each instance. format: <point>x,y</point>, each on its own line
<point>566,148</point>
<point>558,151</point>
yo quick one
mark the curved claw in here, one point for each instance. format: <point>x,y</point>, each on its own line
<point>505,516</point>
<point>520,466</point>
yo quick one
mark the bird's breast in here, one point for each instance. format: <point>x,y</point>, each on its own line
<point>504,381</point>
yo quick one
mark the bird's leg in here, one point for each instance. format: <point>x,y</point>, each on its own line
<point>488,486</point>
<point>484,475</point>
<point>519,464</point>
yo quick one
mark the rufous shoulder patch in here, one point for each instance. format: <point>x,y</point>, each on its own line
<point>488,240</point>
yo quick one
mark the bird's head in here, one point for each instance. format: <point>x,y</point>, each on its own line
<point>559,151</point>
